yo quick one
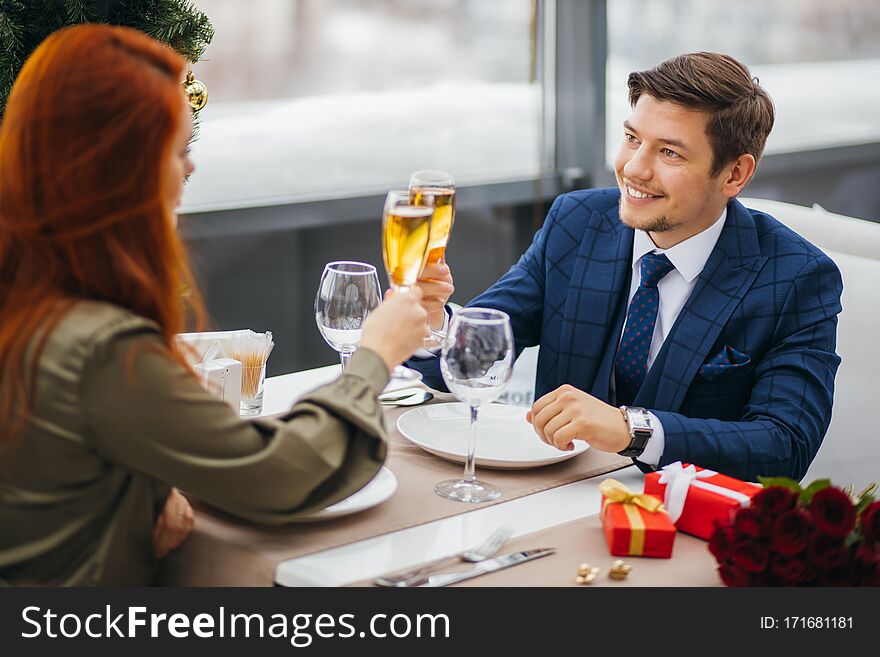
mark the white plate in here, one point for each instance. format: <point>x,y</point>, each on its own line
<point>504,439</point>
<point>374,493</point>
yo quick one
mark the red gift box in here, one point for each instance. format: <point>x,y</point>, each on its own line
<point>695,497</point>
<point>631,529</point>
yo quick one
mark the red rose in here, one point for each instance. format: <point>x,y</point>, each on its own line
<point>870,523</point>
<point>867,566</point>
<point>790,571</point>
<point>791,532</point>
<point>752,524</point>
<point>774,500</point>
<point>751,556</point>
<point>766,579</point>
<point>833,512</point>
<point>827,552</point>
<point>733,575</point>
<point>843,575</point>
<point>721,541</point>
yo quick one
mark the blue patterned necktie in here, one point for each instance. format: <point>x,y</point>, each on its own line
<point>631,363</point>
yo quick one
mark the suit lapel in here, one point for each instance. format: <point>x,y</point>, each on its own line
<point>727,276</point>
<point>598,281</point>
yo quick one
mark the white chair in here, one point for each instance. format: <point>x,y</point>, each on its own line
<point>521,389</point>
<point>828,231</point>
<point>850,452</point>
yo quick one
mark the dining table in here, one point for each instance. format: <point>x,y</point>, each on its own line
<point>397,522</point>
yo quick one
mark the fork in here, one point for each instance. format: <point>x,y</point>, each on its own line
<point>489,547</point>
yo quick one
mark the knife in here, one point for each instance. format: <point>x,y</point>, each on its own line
<point>488,566</point>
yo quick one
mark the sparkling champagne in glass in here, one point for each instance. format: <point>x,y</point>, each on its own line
<point>406,229</point>
<point>476,363</point>
<point>436,189</point>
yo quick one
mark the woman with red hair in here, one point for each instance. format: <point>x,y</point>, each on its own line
<point>99,414</point>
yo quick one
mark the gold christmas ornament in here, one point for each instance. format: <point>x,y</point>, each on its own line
<point>196,92</point>
<point>586,574</point>
<point>619,570</point>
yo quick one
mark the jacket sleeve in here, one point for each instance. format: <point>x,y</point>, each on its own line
<point>146,411</point>
<point>789,409</point>
<point>519,293</point>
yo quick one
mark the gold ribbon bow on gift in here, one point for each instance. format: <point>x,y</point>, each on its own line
<point>616,493</point>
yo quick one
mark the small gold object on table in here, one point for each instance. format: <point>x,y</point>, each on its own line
<point>587,574</point>
<point>619,570</point>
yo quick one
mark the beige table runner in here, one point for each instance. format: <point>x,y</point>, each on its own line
<point>226,551</point>
<point>582,541</point>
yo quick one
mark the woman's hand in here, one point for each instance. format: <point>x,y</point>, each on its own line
<point>396,328</point>
<point>174,524</point>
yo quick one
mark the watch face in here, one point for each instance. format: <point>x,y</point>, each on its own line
<point>639,420</point>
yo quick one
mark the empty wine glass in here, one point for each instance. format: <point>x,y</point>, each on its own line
<point>347,293</point>
<point>476,363</point>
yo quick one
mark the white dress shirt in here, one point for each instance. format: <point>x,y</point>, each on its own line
<point>689,257</point>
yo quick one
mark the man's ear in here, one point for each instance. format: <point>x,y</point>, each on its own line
<point>737,174</point>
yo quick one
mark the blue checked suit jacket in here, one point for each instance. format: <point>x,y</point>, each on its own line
<point>745,379</point>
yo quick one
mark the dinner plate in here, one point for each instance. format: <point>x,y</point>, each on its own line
<point>374,493</point>
<point>504,439</point>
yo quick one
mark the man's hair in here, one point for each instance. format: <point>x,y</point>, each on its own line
<point>740,111</point>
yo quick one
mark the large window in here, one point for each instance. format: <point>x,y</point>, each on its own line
<point>818,60</point>
<point>337,99</point>
<point>313,99</point>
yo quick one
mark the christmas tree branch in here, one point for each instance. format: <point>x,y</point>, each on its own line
<point>24,25</point>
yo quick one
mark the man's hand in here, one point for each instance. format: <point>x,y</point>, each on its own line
<point>174,524</point>
<point>567,414</point>
<point>436,285</point>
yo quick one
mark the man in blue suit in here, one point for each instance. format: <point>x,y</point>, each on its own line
<point>713,326</point>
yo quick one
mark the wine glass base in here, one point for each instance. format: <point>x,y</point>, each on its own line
<point>464,490</point>
<point>433,340</point>
<point>401,373</point>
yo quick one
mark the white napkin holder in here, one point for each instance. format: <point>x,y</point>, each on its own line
<point>198,343</point>
<point>219,375</point>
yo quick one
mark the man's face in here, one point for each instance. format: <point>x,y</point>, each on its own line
<point>663,171</point>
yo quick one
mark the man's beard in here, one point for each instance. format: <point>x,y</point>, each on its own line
<point>659,224</point>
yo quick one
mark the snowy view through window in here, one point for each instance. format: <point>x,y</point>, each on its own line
<point>315,99</point>
<point>325,98</point>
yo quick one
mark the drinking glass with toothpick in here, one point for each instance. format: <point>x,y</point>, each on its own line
<point>252,351</point>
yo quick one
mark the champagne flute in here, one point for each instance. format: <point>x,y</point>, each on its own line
<point>437,189</point>
<point>347,293</point>
<point>476,363</point>
<point>406,229</point>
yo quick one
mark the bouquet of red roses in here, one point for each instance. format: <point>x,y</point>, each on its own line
<point>792,536</point>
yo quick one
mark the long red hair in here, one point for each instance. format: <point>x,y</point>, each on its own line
<point>89,123</point>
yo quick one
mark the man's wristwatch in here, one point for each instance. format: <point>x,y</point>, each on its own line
<point>640,430</point>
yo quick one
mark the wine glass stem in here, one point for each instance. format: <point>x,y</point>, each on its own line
<point>472,445</point>
<point>344,358</point>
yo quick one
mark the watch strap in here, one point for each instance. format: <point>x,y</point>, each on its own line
<point>640,430</point>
